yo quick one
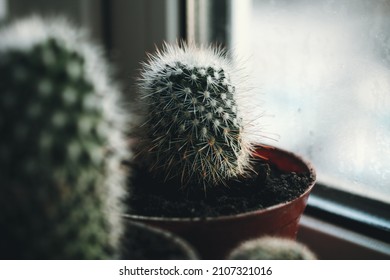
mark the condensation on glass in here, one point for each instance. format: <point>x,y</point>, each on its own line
<point>322,73</point>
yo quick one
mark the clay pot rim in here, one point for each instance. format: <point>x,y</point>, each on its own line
<point>168,236</point>
<point>305,162</point>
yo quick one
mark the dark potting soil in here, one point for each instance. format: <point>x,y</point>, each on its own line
<point>144,244</point>
<point>266,187</point>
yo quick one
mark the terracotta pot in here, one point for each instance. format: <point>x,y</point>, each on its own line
<point>215,237</point>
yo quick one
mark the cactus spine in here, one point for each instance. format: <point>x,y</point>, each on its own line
<point>193,120</point>
<point>61,145</point>
<point>271,248</point>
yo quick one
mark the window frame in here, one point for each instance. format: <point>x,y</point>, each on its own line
<point>354,212</point>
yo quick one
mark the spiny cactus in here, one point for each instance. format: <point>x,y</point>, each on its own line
<point>61,145</point>
<point>193,119</point>
<point>271,248</point>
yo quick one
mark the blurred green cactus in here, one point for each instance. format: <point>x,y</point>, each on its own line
<point>271,248</point>
<point>61,145</point>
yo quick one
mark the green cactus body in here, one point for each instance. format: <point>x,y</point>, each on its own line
<point>192,121</point>
<point>271,248</point>
<point>54,145</point>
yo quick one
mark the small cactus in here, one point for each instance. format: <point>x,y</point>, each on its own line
<point>192,114</point>
<point>61,145</point>
<point>271,248</point>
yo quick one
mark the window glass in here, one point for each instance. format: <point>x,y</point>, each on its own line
<point>322,73</point>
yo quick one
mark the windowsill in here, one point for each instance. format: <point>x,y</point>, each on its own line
<point>353,212</point>
<point>332,242</point>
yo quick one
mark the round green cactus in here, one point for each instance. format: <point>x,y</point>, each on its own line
<point>61,145</point>
<point>271,248</point>
<point>193,122</point>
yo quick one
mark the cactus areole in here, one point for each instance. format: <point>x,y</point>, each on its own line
<point>193,123</point>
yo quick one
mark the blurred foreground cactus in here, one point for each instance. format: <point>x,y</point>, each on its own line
<point>271,248</point>
<point>193,124</point>
<point>61,145</point>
